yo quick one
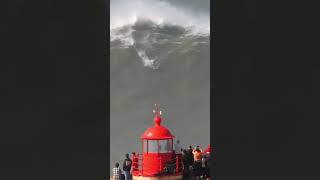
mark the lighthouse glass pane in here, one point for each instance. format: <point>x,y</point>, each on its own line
<point>145,145</point>
<point>152,146</point>
<point>164,146</point>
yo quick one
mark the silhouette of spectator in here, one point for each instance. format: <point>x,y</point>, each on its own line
<point>190,155</point>
<point>186,164</point>
<point>127,167</point>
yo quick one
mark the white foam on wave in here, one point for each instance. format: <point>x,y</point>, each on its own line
<point>127,12</point>
<point>147,62</point>
<point>125,37</point>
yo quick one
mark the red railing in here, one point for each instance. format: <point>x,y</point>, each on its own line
<point>138,170</point>
<point>137,165</point>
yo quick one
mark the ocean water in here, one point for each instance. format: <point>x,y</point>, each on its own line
<point>159,53</point>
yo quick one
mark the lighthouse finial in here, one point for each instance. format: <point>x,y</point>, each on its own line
<point>157,113</point>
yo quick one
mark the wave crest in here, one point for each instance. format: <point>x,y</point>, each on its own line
<point>128,12</point>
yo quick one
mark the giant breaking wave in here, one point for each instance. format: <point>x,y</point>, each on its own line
<point>155,31</point>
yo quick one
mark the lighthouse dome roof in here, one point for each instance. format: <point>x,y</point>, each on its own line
<point>157,131</point>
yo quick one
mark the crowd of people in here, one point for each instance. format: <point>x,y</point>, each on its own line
<point>196,163</point>
<point>193,162</point>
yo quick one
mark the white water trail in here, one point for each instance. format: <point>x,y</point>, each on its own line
<point>147,62</point>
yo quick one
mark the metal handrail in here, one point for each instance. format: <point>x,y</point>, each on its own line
<point>177,159</point>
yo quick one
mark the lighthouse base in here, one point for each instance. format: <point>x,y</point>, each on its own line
<point>171,177</point>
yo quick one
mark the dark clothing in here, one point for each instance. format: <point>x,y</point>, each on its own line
<point>127,164</point>
<point>190,156</point>
<point>179,162</point>
<point>197,168</point>
<point>186,164</point>
<point>207,172</point>
<point>122,177</point>
<point>188,161</point>
<point>169,167</point>
<point>208,165</point>
<point>205,168</point>
<point>185,160</point>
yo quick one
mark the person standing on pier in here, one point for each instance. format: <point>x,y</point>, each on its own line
<point>116,172</point>
<point>127,167</point>
<point>186,164</point>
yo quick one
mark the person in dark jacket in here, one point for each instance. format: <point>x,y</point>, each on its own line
<point>127,167</point>
<point>186,164</point>
<point>190,155</point>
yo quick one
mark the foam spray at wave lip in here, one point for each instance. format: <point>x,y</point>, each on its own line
<point>143,25</point>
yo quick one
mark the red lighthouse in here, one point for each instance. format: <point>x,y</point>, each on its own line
<point>157,153</point>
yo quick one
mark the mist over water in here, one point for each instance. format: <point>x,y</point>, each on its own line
<point>159,53</point>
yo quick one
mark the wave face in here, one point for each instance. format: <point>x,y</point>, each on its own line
<point>159,53</point>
